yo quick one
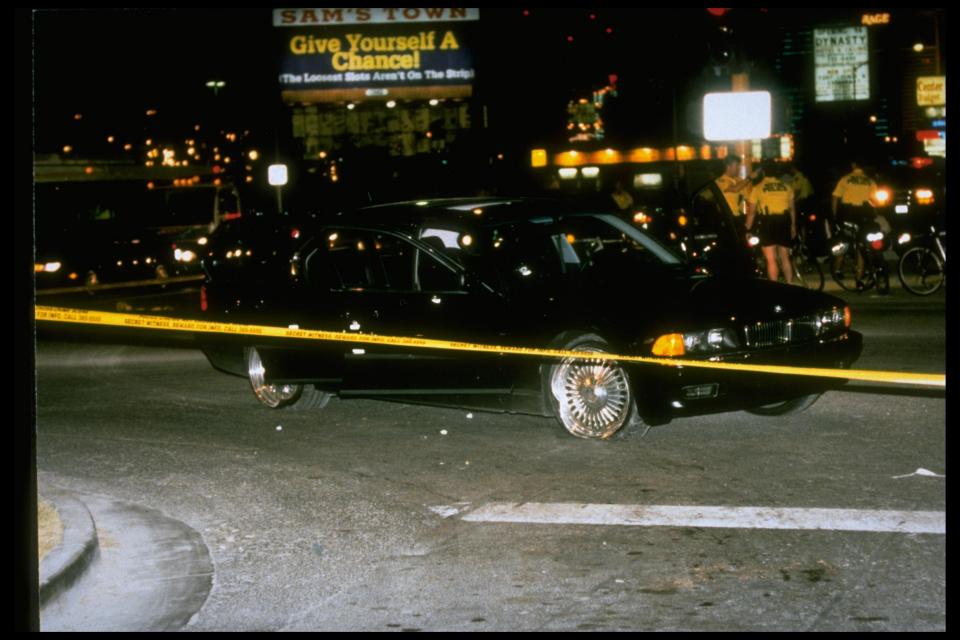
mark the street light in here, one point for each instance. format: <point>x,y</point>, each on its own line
<point>216,85</point>
<point>277,177</point>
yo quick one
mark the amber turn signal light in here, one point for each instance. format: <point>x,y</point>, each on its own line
<point>670,344</point>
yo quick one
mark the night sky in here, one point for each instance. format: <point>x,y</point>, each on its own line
<point>113,65</point>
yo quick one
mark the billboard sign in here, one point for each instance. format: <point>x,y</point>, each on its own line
<point>931,91</point>
<point>737,115</point>
<point>335,55</point>
<point>841,64</point>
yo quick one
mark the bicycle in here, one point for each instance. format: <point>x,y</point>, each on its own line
<point>923,268</point>
<point>866,243</point>
<point>807,271</point>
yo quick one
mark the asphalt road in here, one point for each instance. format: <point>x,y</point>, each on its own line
<point>371,515</point>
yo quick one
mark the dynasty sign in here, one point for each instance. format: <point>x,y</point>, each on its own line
<point>356,60</point>
<point>842,64</point>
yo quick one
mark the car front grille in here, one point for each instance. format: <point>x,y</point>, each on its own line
<point>779,332</point>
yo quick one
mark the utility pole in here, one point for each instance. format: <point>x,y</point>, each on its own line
<point>741,82</point>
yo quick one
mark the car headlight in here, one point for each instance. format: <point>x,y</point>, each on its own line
<point>924,196</point>
<point>47,267</point>
<point>694,342</point>
<point>833,319</point>
<point>904,238</point>
<point>875,237</point>
<point>708,341</point>
<point>882,196</point>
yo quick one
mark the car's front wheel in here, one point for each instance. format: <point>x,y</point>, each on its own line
<point>281,396</point>
<point>786,407</point>
<point>592,398</point>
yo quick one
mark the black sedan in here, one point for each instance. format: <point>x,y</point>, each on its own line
<point>520,272</point>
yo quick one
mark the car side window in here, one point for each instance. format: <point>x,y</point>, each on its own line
<point>343,260</point>
<point>435,276</point>
<point>525,254</point>
<point>396,257</point>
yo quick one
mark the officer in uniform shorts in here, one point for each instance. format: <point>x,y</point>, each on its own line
<point>853,202</point>
<point>735,190</point>
<point>773,202</point>
<point>853,197</point>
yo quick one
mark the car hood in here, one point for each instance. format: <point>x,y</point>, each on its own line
<point>682,303</point>
<point>754,299</point>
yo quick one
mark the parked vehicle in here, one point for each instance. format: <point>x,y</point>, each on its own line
<point>527,273</point>
<point>911,196</point>
<point>108,232</point>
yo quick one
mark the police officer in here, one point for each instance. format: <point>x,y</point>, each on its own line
<point>621,197</point>
<point>735,190</point>
<point>773,203</point>
<point>802,188</point>
<point>853,202</point>
<point>853,197</point>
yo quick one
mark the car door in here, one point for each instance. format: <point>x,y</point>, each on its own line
<point>713,237</point>
<point>425,295</point>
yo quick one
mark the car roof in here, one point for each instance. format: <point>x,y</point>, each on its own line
<point>471,212</point>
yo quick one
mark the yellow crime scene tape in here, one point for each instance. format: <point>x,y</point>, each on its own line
<point>108,318</point>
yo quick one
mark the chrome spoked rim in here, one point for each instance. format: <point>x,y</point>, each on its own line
<point>271,395</point>
<point>593,396</point>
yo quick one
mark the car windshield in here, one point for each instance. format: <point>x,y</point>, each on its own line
<point>584,238</point>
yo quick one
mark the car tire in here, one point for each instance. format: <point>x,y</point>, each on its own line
<point>786,407</point>
<point>285,396</point>
<point>598,412</point>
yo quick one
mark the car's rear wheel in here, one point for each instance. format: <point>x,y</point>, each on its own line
<point>592,398</point>
<point>281,396</point>
<point>786,407</point>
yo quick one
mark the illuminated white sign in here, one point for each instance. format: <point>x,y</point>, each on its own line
<point>277,175</point>
<point>842,64</point>
<point>737,115</point>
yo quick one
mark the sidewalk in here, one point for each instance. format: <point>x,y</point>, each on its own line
<point>121,567</point>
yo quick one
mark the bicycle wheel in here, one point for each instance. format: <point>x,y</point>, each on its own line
<point>807,271</point>
<point>845,270</point>
<point>921,271</point>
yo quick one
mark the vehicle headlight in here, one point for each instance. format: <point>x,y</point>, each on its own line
<point>882,196</point>
<point>708,341</point>
<point>875,237</point>
<point>694,342</point>
<point>904,238</point>
<point>832,319</point>
<point>839,249</point>
<point>47,267</point>
<point>924,196</point>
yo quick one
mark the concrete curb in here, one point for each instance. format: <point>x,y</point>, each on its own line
<point>80,546</point>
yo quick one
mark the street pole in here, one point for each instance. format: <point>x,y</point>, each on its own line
<point>741,82</point>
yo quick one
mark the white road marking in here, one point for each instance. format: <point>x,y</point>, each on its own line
<point>920,472</point>
<point>720,517</point>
